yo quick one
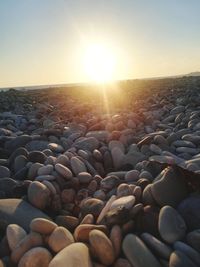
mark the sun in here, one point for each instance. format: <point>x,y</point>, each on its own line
<point>99,63</point>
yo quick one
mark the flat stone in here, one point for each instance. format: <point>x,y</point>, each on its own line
<point>55,147</point>
<point>7,185</point>
<point>76,254</point>
<point>109,182</point>
<point>36,257</point>
<point>14,234</point>
<point>63,171</point>
<point>17,211</point>
<point>60,238</point>
<point>102,247</point>
<point>137,253</point>
<point>38,145</point>
<point>169,189</point>
<point>171,225</point>
<point>84,177</point>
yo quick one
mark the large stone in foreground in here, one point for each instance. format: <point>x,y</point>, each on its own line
<point>76,254</point>
<point>137,253</point>
<point>18,211</point>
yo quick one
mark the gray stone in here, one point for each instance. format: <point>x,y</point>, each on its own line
<point>179,259</point>
<point>137,253</point>
<point>4,172</point>
<point>17,211</point>
<point>171,225</point>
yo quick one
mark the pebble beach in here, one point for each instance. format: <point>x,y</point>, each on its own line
<point>101,177</point>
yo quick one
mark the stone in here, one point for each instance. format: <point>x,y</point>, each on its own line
<point>189,210</point>
<point>38,145</point>
<point>137,253</point>
<point>38,195</point>
<point>81,233</point>
<point>102,247</point>
<point>18,211</point>
<point>109,182</point>
<point>14,234</point>
<point>20,162</point>
<point>179,259</point>
<point>123,190</point>
<point>63,171</point>
<point>77,165</point>
<point>188,251</point>
<point>29,241</point>
<point>92,206</point>
<point>45,170</point>
<point>69,222</point>
<point>42,226</point>
<point>171,225</point>
<point>17,142</point>
<point>37,156</point>
<point>158,247</point>
<point>132,175</point>
<point>84,177</point>
<point>33,170</point>
<point>116,239</point>
<point>55,148</point>
<point>121,262</point>
<point>169,189</point>
<point>193,239</point>
<point>7,186</point>
<point>68,195</point>
<point>38,256</point>
<point>60,238</point>
<point>131,159</point>
<point>76,254</point>
<point>123,202</point>
<point>4,172</point>
<point>88,143</point>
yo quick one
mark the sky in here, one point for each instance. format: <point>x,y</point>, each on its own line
<point>43,41</point>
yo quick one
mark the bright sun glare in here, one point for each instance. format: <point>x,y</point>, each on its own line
<point>99,63</point>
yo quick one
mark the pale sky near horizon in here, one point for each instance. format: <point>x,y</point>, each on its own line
<point>41,41</point>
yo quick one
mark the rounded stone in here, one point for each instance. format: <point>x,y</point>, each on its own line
<point>193,239</point>
<point>33,170</point>
<point>37,156</point>
<point>123,202</point>
<point>102,247</point>
<point>77,165</point>
<point>171,225</point>
<point>31,240</point>
<point>109,182</point>
<point>42,226</point>
<point>81,233</point>
<point>45,170</point>
<point>63,171</point>
<point>38,256</point>
<point>14,234</point>
<point>137,253</point>
<point>60,238</point>
<point>38,195</point>
<point>76,254</point>
<point>179,259</point>
<point>84,177</point>
<point>68,195</point>
<point>132,175</point>
<point>116,239</point>
<point>4,172</point>
<point>123,190</point>
<point>120,262</point>
<point>69,222</point>
<point>159,248</point>
<point>92,206</point>
<point>188,251</point>
<point>170,189</point>
<point>18,211</point>
<point>189,209</point>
